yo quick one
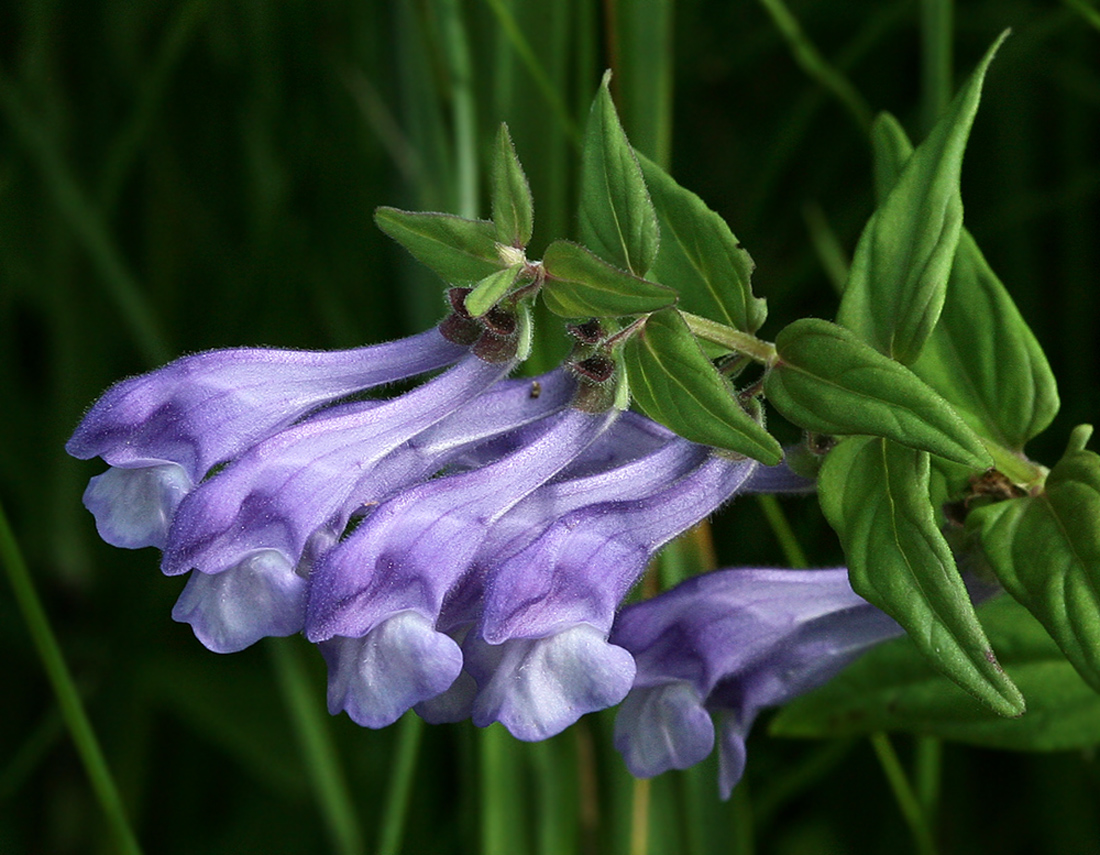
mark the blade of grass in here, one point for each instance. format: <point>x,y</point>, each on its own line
<point>927,774</point>
<point>799,117</point>
<point>815,65</point>
<point>639,818</point>
<point>531,62</point>
<point>743,833</point>
<point>556,790</point>
<point>1085,10</point>
<point>30,754</point>
<point>907,800</point>
<point>503,818</point>
<point>127,142</point>
<point>315,743</point>
<point>72,708</point>
<point>643,81</point>
<point>464,115</point>
<point>396,808</point>
<point>827,247</point>
<point>87,225</point>
<point>937,78</point>
<point>781,527</point>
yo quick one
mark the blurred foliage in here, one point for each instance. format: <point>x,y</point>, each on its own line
<point>181,176</point>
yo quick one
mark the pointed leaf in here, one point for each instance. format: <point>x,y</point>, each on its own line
<point>700,257</point>
<point>874,493</point>
<point>489,290</point>
<point>513,208</point>
<point>827,381</point>
<point>580,285</point>
<point>982,356</point>
<point>898,278</point>
<point>461,251</point>
<point>893,688</point>
<point>891,150</point>
<point>617,219</point>
<point>1045,550</point>
<point>675,384</point>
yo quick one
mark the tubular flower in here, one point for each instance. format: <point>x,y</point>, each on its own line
<point>461,549</point>
<point>535,612</point>
<point>400,564</point>
<point>286,464</point>
<point>163,431</point>
<point>722,647</point>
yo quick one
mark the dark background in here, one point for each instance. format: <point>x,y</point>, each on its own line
<point>181,176</point>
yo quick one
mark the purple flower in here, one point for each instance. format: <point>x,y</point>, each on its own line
<point>296,463</point>
<point>534,613</point>
<point>163,431</point>
<point>726,645</point>
<point>410,553</point>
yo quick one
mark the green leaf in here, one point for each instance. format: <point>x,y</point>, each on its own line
<point>827,381</point>
<point>899,272</point>
<point>513,208</point>
<point>893,688</point>
<point>982,356</point>
<point>580,285</point>
<point>1045,550</point>
<point>461,251</point>
<point>617,219</point>
<point>675,384</point>
<point>891,150</point>
<point>700,257</point>
<point>874,493</point>
<point>489,290</point>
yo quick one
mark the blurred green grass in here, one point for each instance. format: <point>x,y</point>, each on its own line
<point>175,177</point>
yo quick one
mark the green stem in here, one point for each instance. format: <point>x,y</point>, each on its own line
<point>792,550</point>
<point>1019,469</point>
<point>903,793</point>
<point>87,225</point>
<point>937,25</point>
<point>72,709</point>
<point>927,774</point>
<point>639,817</point>
<point>815,65</point>
<point>742,342</point>
<point>401,781</point>
<point>457,50</point>
<point>535,69</point>
<point>1082,8</point>
<point>503,819</point>
<point>743,837</point>
<point>317,749</point>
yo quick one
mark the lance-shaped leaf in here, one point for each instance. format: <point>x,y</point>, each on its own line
<point>874,493</point>
<point>490,289</point>
<point>700,257</point>
<point>513,208</point>
<point>617,220</point>
<point>891,150</point>
<point>893,688</point>
<point>827,381</point>
<point>982,356</point>
<point>461,251</point>
<point>675,384</point>
<point>1045,550</point>
<point>984,359</point>
<point>580,285</point>
<point>898,277</point>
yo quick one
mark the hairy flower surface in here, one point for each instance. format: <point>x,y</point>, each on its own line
<point>724,646</point>
<point>163,431</point>
<point>461,548</point>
